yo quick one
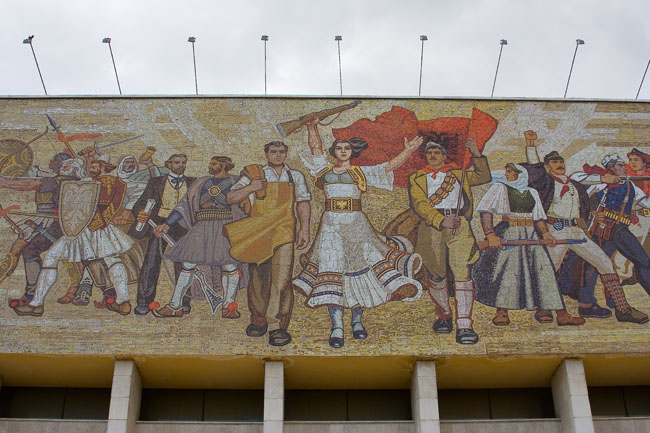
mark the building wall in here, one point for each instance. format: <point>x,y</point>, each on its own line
<point>399,332</point>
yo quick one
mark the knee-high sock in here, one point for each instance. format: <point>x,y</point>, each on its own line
<point>182,284</point>
<point>464,303</point>
<point>356,316</point>
<point>336,316</point>
<point>440,297</point>
<point>46,280</point>
<point>613,286</point>
<point>230,283</point>
<point>119,278</point>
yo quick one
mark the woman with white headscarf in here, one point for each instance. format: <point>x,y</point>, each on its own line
<point>521,277</point>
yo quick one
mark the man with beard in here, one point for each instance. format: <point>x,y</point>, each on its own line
<point>100,239</point>
<point>136,181</point>
<point>204,212</point>
<point>41,232</point>
<point>167,190</point>
<point>567,206</point>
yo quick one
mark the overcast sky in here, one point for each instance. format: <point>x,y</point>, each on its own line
<point>380,51</point>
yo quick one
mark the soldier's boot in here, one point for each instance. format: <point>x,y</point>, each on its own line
<point>440,296</point>
<point>623,311</point>
<point>464,303</point>
<point>175,307</point>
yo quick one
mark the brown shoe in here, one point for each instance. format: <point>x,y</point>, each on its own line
<point>564,319</point>
<point>501,318</point>
<point>69,295</point>
<point>632,316</point>
<point>544,316</point>
<point>124,308</point>
<point>167,311</point>
<point>404,292</point>
<point>29,310</point>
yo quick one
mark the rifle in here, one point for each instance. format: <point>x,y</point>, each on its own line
<point>508,244</point>
<point>289,127</point>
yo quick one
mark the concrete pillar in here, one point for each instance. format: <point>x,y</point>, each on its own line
<point>125,398</point>
<point>571,399</point>
<point>424,398</point>
<point>273,397</point>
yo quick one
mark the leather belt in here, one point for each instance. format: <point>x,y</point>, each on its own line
<point>450,212</point>
<point>342,205</point>
<point>643,212</point>
<point>519,221</point>
<point>565,221</point>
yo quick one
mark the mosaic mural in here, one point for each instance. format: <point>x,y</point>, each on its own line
<point>306,226</point>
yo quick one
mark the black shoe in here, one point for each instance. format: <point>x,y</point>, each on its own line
<point>256,331</point>
<point>336,342</point>
<point>360,332</point>
<point>141,309</point>
<point>279,337</point>
<point>594,310</point>
<point>466,336</point>
<point>443,326</point>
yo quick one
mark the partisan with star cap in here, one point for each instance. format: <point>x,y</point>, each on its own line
<point>552,156</point>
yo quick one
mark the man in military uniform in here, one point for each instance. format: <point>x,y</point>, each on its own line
<point>99,239</point>
<point>204,211</point>
<point>567,207</point>
<point>445,239</point>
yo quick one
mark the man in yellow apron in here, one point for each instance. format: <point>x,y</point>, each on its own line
<point>265,239</point>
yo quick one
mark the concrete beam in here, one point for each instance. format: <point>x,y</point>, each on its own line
<point>571,398</point>
<point>424,398</point>
<point>125,398</point>
<point>273,397</point>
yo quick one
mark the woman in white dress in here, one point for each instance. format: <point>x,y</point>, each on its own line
<point>350,264</point>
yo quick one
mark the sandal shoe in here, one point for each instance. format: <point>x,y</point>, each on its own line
<point>29,310</point>
<point>594,310</point>
<point>255,330</point>
<point>227,314</point>
<point>501,317</point>
<point>81,299</point>
<point>124,308</point>
<point>68,297</point>
<point>564,319</point>
<point>19,302</point>
<point>167,311</point>
<point>544,316</point>
<point>279,337</point>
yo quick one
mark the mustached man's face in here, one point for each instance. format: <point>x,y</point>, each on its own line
<point>618,169</point>
<point>129,165</point>
<point>556,166</point>
<point>435,157</point>
<point>177,165</point>
<point>216,168</point>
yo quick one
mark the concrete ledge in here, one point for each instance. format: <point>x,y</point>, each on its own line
<point>31,425</point>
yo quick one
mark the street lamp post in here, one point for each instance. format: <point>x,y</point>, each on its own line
<point>422,38</point>
<point>192,39</point>
<point>29,41</point>
<point>646,71</point>
<point>338,39</point>
<point>502,43</point>
<point>265,38</point>
<point>578,43</point>
<point>108,41</point>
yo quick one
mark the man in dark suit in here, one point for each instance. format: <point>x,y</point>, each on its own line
<point>166,190</point>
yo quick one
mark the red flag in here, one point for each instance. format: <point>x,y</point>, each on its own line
<point>385,137</point>
<point>593,169</point>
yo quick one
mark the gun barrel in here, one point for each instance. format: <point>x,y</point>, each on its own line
<point>289,127</point>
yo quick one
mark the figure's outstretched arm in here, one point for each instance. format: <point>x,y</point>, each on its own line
<point>313,139</point>
<point>409,147</point>
<point>20,183</point>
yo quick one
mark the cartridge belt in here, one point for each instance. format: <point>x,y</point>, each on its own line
<point>450,212</point>
<point>214,214</point>
<point>519,221</point>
